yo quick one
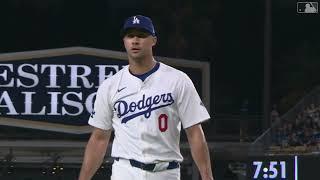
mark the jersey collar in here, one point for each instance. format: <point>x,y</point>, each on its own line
<point>147,74</point>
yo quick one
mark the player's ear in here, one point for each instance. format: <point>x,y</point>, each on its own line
<point>154,41</point>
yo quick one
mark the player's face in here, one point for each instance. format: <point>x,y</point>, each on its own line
<point>139,44</point>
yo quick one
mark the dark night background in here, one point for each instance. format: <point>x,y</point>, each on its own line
<point>229,34</point>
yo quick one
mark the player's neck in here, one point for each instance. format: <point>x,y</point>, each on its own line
<point>141,66</point>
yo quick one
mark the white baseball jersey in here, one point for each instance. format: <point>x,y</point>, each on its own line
<point>147,115</point>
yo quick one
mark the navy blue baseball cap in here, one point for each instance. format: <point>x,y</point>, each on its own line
<point>139,22</point>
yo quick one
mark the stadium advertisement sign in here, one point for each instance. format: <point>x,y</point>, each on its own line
<point>55,90</point>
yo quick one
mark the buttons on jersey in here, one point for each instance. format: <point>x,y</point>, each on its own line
<point>141,86</point>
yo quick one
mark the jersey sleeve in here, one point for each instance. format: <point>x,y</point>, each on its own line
<point>190,107</point>
<point>102,114</point>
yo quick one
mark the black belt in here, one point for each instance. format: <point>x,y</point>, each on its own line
<point>150,167</point>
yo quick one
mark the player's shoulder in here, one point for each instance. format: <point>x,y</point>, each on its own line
<point>111,81</point>
<point>173,72</point>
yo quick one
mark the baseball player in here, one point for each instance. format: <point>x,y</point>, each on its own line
<point>146,104</point>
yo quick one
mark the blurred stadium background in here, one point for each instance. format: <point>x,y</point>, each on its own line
<point>264,77</point>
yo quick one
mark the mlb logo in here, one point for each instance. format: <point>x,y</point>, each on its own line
<point>307,7</point>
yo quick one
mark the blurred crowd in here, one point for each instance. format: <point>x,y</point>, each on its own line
<point>303,131</point>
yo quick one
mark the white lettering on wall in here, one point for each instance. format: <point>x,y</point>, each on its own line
<point>4,75</point>
<point>102,72</point>
<point>53,69</point>
<point>69,102</point>
<point>6,102</point>
<point>54,103</point>
<point>75,76</point>
<point>28,105</point>
<point>89,102</point>
<point>50,89</point>
<point>28,75</point>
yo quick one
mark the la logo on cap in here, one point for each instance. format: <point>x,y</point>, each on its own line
<point>135,20</point>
